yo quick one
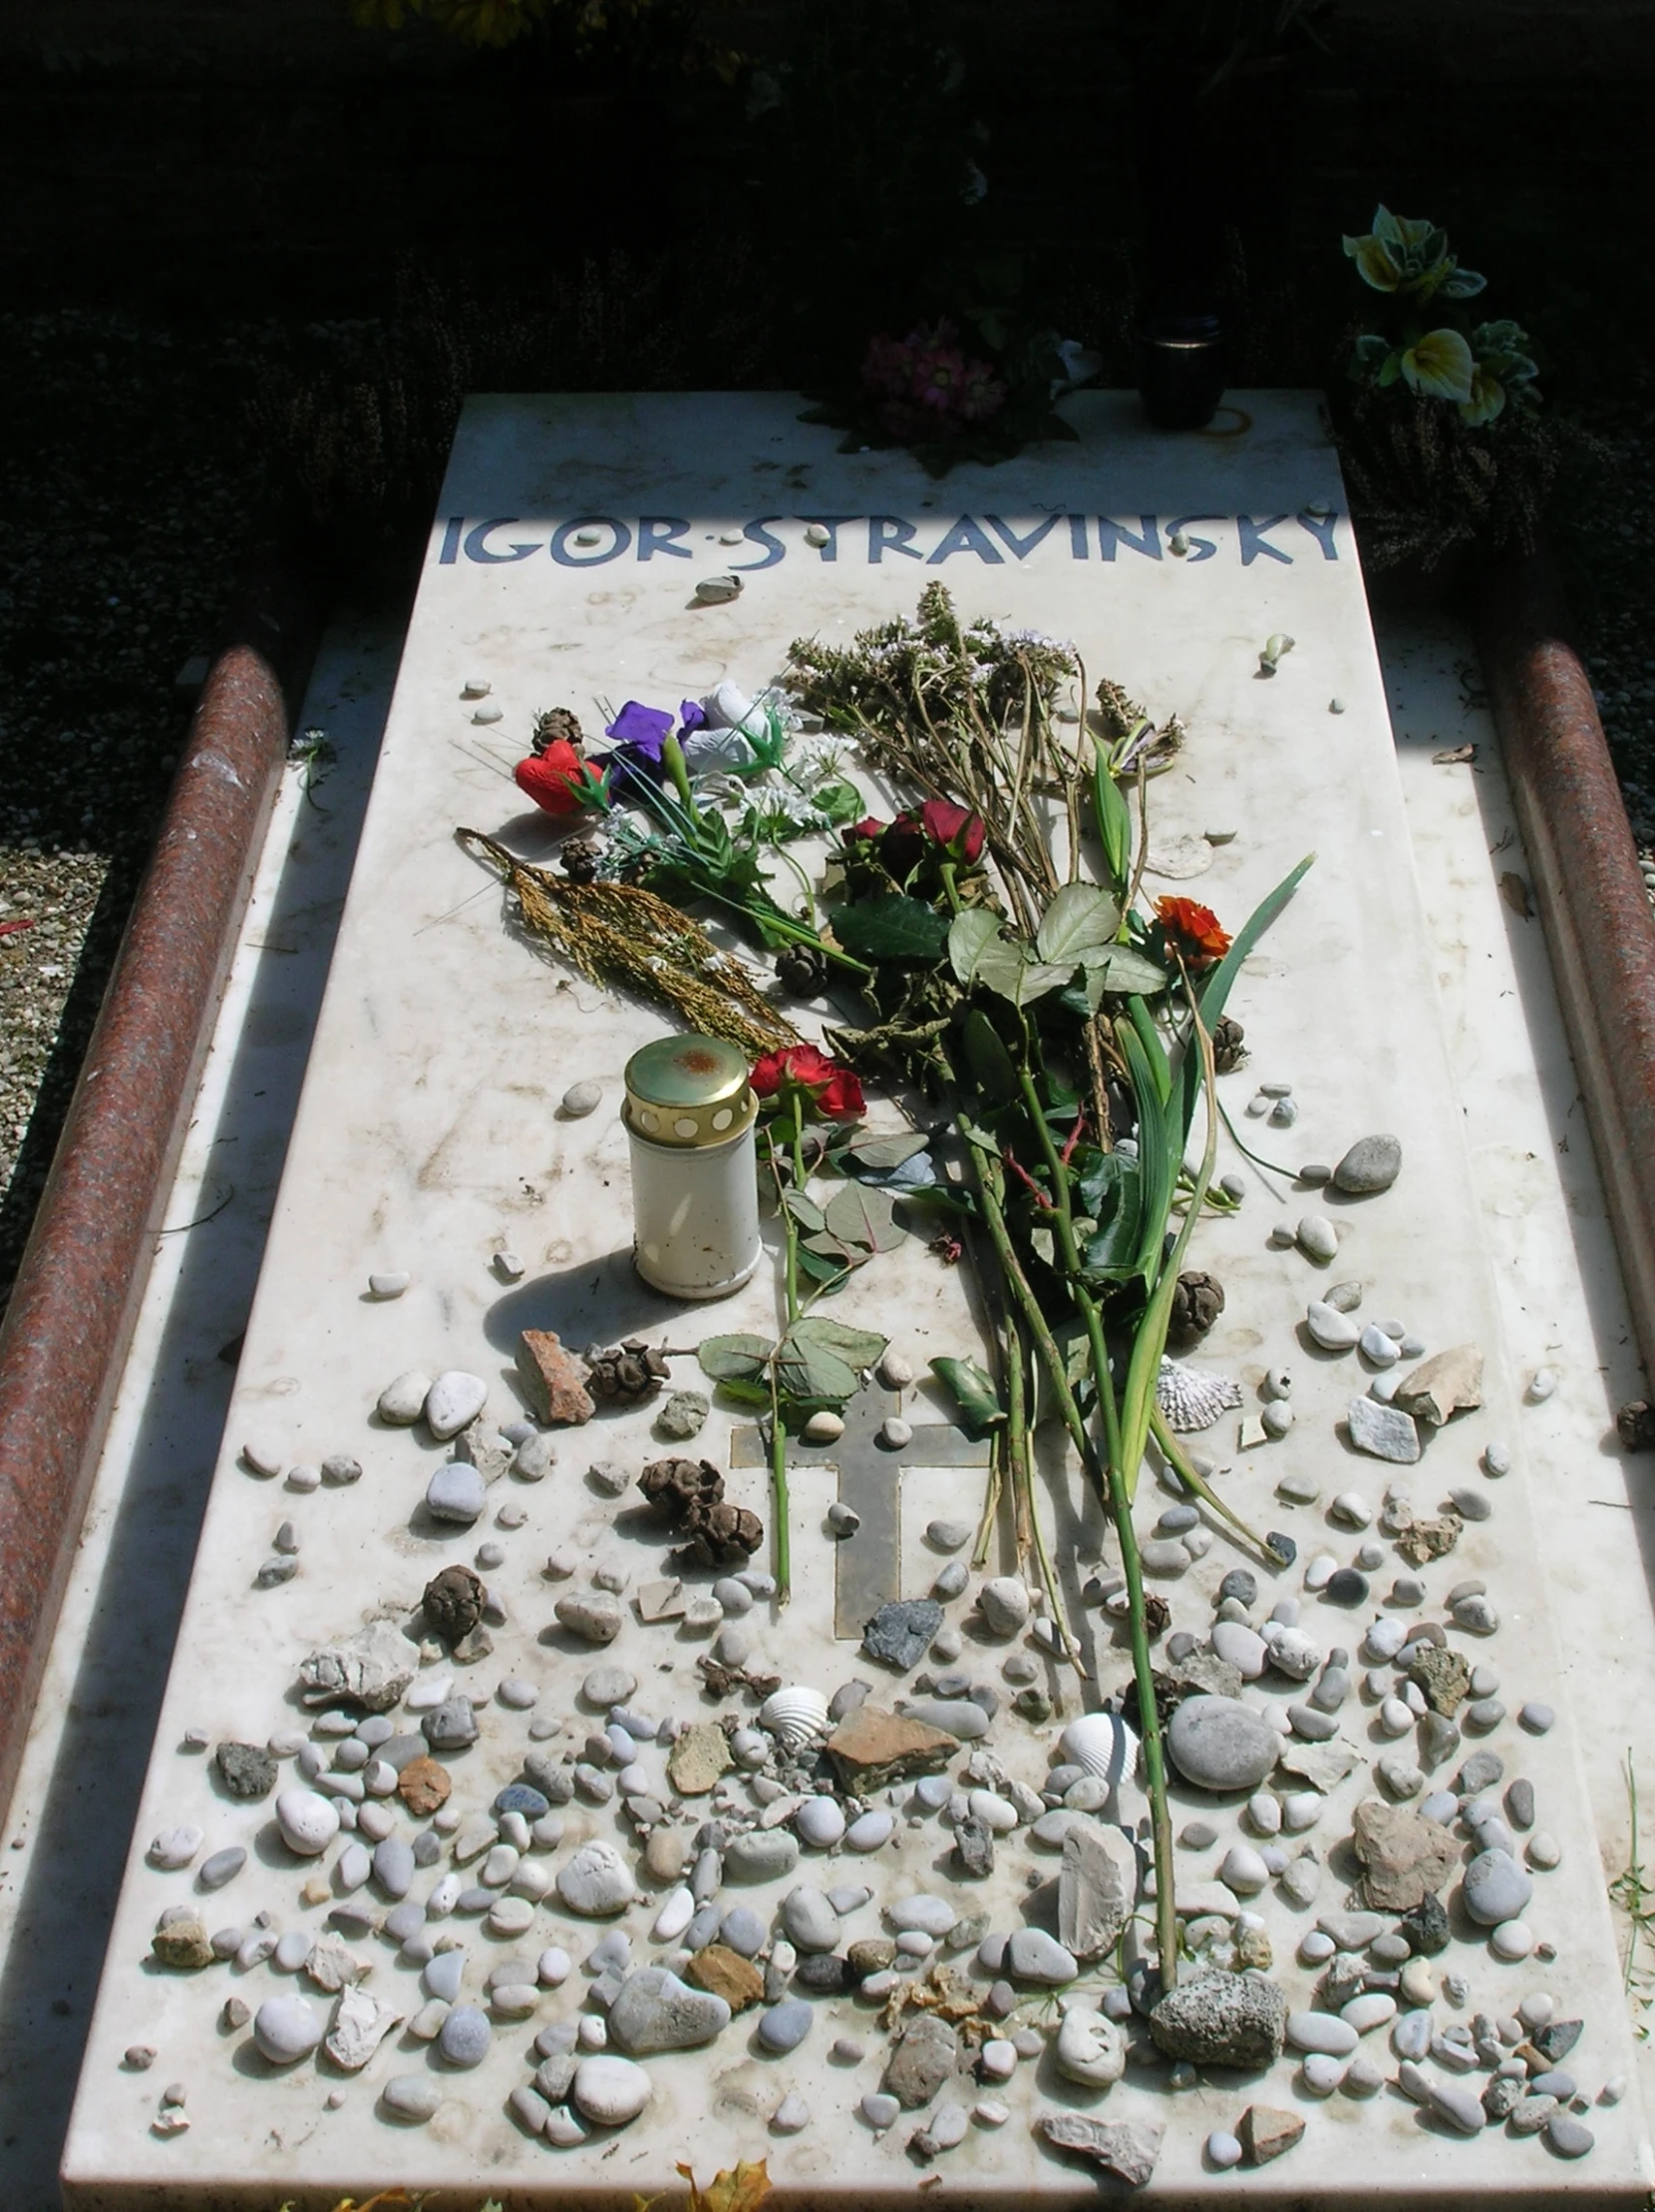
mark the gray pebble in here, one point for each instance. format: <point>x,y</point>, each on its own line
<point>785,2026</point>
<point>582,1099</point>
<point>222,1867</point>
<point>1536,1718</point>
<point>465,2035</point>
<point>947,1535</point>
<point>1568,2136</point>
<point>455,1493</point>
<point>951,1580</point>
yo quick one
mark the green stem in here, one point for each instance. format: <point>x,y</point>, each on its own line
<point>780,1507</point>
<point>797,1161</point>
<point>1113,1488</point>
<point>1183,1467</point>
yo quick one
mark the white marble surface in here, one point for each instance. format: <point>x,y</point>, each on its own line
<point>425,1138</point>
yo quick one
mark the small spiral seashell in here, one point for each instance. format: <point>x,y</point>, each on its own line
<point>795,1714</point>
<point>1103,1744</point>
<point>1190,1399</point>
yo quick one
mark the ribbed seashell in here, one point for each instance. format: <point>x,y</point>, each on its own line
<point>795,1714</point>
<point>1190,1399</point>
<point>1103,1745</point>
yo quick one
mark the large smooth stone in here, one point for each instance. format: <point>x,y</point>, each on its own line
<point>1220,1744</point>
<point>609,2091</point>
<point>1371,1164</point>
<point>655,2011</point>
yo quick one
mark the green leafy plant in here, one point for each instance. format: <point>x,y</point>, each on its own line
<point>1429,344</point>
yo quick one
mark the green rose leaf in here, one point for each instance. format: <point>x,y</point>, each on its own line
<point>1123,971</point>
<point>805,1210</point>
<point>1081,919</point>
<point>819,1359</point>
<point>890,929</point>
<point>881,1153</point>
<point>861,1347</point>
<point>734,1359</point>
<point>1440,366</point>
<point>864,1214</point>
<point>969,936</point>
<point>972,1389</point>
<point>992,1067</point>
<point>1006,969</point>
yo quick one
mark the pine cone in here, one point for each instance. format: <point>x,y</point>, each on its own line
<point>722,1532</point>
<point>1197,1301</point>
<point>454,1602</point>
<point>557,724</point>
<point>1636,1426</point>
<point>680,1488</point>
<point>1228,1049</point>
<point>801,970</point>
<point>630,1373</point>
<point>579,859</point>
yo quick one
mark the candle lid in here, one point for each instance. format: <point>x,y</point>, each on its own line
<point>689,1090</point>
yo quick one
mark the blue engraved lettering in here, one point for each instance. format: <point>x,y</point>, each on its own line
<point>967,537</point>
<point>890,530</point>
<point>1321,528</point>
<point>451,541</point>
<point>477,542</point>
<point>775,550</point>
<point>1024,545</point>
<point>559,546</point>
<point>1200,548</point>
<point>1078,547</point>
<point>1146,542</point>
<point>656,533</point>
<point>1254,541</point>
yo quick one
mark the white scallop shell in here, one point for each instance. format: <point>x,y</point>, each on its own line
<point>795,1714</point>
<point>1103,1745</point>
<point>1191,1400</point>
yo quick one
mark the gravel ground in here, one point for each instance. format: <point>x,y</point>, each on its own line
<point>130,487</point>
<point>124,477</point>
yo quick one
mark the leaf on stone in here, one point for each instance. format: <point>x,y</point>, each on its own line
<point>864,1214</point>
<point>803,1209</point>
<point>1005,968</point>
<point>972,1389</point>
<point>969,936</point>
<point>1081,919</point>
<point>824,1270</point>
<point>882,1152</point>
<point>1123,970</point>
<point>739,1358</point>
<point>861,1347</point>
<point>808,1368</point>
<point>893,928</point>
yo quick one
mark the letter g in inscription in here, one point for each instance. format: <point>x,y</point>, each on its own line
<point>477,547</point>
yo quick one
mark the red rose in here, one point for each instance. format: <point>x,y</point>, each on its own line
<point>956,828</point>
<point>556,778</point>
<point>866,831</point>
<point>825,1090</point>
<point>1192,929</point>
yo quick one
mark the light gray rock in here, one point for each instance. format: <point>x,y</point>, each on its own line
<point>453,1402</point>
<point>1218,1744</point>
<point>655,2011</point>
<point>1496,1888</point>
<point>1371,1164</point>
<point>1097,1888</point>
<point>411,2097</point>
<point>1222,2019</point>
<point>609,2091</point>
<point>597,1881</point>
<point>1034,1956</point>
<point>455,1493</point>
<point>1383,1431</point>
<point>286,2029</point>
<point>1332,1330</point>
<point>1126,2149</point>
<point>1090,2049</point>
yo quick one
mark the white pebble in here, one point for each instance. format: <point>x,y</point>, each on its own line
<point>1541,1384</point>
<point>388,1286</point>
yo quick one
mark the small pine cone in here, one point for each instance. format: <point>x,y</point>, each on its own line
<point>579,859</point>
<point>1635,1424</point>
<point>558,723</point>
<point>801,970</point>
<point>722,1532</point>
<point>1229,1049</point>
<point>1197,1301</point>
<point>629,1372</point>
<point>454,1602</point>
<point>682,1487</point>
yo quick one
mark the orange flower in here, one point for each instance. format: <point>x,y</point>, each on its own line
<point>1192,929</point>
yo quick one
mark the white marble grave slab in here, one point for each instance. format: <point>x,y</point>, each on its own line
<point>427,1138</point>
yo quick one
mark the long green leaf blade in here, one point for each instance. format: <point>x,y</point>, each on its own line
<point>1216,991</point>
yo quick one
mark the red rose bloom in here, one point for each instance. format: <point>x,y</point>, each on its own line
<point>554,778</point>
<point>867,831</point>
<point>1193,930</point>
<point>959,831</point>
<point>825,1090</point>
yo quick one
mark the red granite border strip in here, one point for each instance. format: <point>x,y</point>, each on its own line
<point>75,1299</point>
<point>1590,894</point>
